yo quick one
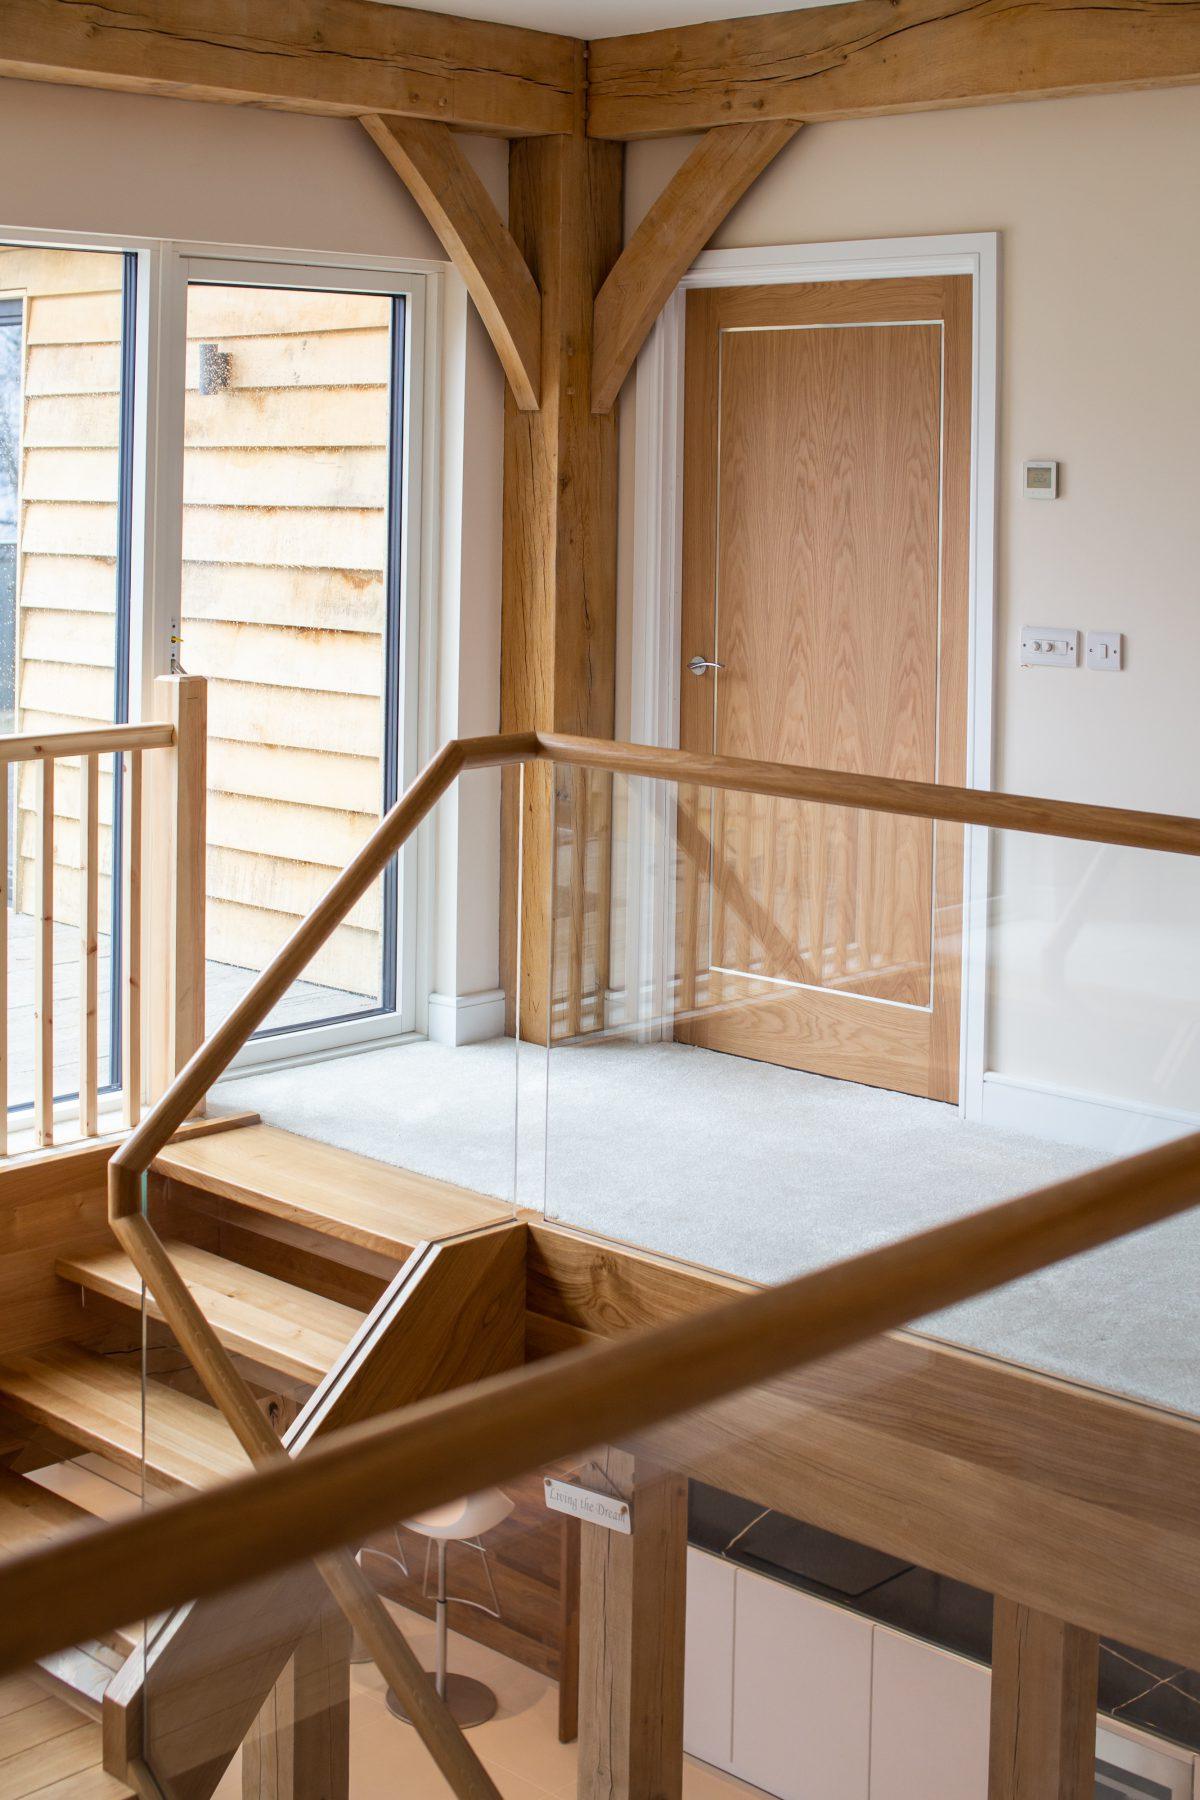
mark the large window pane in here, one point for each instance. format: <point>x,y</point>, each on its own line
<point>290,614</point>
<point>64,360</point>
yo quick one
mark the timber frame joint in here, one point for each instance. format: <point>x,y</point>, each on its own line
<point>430,162</point>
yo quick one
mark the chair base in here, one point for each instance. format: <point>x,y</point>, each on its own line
<point>470,1701</point>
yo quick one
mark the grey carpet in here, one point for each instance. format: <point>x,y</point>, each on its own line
<point>758,1171</point>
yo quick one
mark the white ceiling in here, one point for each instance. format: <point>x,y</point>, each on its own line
<point>604,18</point>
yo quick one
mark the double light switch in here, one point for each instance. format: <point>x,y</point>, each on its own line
<point>1057,647</point>
<point>1054,645</point>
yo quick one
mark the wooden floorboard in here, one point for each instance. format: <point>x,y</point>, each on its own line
<point>49,1749</point>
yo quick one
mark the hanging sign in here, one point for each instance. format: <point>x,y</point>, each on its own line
<point>583,1503</point>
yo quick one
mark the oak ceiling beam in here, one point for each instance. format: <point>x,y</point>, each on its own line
<point>428,159</point>
<point>885,56</point>
<point>670,237</point>
<point>336,57</point>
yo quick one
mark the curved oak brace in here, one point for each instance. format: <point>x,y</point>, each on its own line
<point>668,240</point>
<point>429,162</point>
<point>884,56</point>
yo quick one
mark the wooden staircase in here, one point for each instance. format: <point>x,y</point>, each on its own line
<point>318,1270</point>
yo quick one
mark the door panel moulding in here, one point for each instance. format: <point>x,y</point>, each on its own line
<point>657,596</point>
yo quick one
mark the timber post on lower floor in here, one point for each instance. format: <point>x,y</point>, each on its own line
<point>631,1636</point>
<point>1044,1681</point>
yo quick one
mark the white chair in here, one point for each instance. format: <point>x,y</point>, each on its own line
<point>464,1521</point>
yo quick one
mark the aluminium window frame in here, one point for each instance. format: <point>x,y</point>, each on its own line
<point>154,549</point>
<point>64,1105</point>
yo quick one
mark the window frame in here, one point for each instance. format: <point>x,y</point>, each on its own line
<point>154,546</point>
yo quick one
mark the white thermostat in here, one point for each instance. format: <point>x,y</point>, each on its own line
<point>1039,479</point>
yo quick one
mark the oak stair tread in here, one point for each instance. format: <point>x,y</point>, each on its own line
<point>48,1748</point>
<point>30,1515</point>
<point>284,1327</point>
<point>96,1401</point>
<point>333,1191</point>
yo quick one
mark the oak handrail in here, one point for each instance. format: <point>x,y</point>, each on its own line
<point>217,1052</point>
<point>885,794</point>
<point>361,1479</point>
<point>98,740</point>
<point>873,793</point>
<point>127,1169</point>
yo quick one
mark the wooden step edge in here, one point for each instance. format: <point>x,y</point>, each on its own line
<point>81,1675</point>
<point>35,1515</point>
<point>33,1386</point>
<point>110,1273</point>
<point>325,1220</point>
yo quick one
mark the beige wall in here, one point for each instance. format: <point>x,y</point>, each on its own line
<point>1098,204</point>
<point>221,174</point>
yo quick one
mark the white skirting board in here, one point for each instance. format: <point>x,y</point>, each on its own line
<point>1114,1127</point>
<point>466,1018</point>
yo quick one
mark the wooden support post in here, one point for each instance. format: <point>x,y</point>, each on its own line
<point>1044,1679</point>
<point>177,844</point>
<point>299,1746</point>
<point>560,519</point>
<point>631,1610</point>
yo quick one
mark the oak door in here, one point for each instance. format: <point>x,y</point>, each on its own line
<point>826,531</point>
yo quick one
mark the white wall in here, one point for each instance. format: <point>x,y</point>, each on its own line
<point>146,167</point>
<point>1098,203</point>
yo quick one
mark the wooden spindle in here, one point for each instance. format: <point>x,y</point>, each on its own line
<point>89,945</point>
<point>577,783</point>
<point>5,902</point>
<point>131,941</point>
<point>43,960</point>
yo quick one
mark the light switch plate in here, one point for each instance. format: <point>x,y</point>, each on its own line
<point>1102,650</point>
<point>1055,646</point>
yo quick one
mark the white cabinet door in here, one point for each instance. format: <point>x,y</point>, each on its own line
<point>801,1693</point>
<point>929,1722</point>
<point>708,1659</point>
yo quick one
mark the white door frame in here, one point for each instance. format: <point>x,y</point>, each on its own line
<point>657,602</point>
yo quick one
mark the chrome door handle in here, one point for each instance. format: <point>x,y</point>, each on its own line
<point>698,665</point>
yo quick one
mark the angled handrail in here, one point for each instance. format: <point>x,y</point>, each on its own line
<point>217,1052</point>
<point>362,1478</point>
<point>215,1366</point>
<point>872,793</point>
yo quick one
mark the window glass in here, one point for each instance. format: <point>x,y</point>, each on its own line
<point>63,383</point>
<point>290,612</point>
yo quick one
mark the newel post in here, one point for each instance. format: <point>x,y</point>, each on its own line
<point>176,844</point>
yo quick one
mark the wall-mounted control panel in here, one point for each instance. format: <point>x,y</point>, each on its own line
<point>1055,646</point>
<point>1039,478</point>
